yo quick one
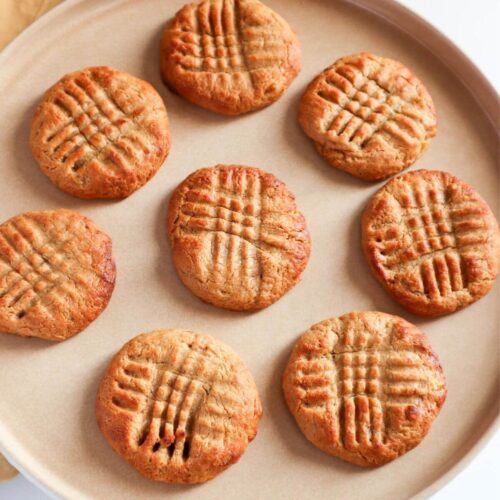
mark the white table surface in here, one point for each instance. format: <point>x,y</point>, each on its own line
<point>475,28</point>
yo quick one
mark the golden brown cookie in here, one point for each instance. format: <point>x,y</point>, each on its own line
<point>229,56</point>
<point>57,274</point>
<point>100,133</point>
<point>364,387</point>
<point>238,239</point>
<point>432,242</point>
<point>6,470</point>
<point>368,115</point>
<point>178,406</point>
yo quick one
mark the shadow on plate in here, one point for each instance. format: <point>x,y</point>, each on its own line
<point>26,345</point>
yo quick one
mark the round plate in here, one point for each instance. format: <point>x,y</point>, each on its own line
<point>47,422</point>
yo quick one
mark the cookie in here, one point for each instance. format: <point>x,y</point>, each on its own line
<point>178,406</point>
<point>368,115</point>
<point>364,387</point>
<point>6,470</point>
<point>432,241</point>
<point>100,133</point>
<point>229,56</point>
<point>238,240</point>
<point>57,274</point>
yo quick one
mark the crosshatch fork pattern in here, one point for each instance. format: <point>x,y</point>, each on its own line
<point>233,214</point>
<point>238,239</point>
<point>230,213</point>
<point>363,107</point>
<point>33,268</point>
<point>437,235</point>
<point>366,384</point>
<point>174,400</point>
<point>216,43</point>
<point>216,39</point>
<point>97,128</point>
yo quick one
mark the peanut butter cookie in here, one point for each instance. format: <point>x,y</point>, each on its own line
<point>238,239</point>
<point>364,387</point>
<point>432,241</point>
<point>229,56</point>
<point>57,274</point>
<point>178,406</point>
<point>100,133</point>
<point>368,115</point>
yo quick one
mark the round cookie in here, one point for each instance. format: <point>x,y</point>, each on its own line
<point>57,274</point>
<point>432,241</point>
<point>364,387</point>
<point>178,406</point>
<point>100,133</point>
<point>229,56</point>
<point>368,115</point>
<point>238,240</point>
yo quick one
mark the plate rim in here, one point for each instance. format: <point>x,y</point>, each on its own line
<point>470,76</point>
<point>463,67</point>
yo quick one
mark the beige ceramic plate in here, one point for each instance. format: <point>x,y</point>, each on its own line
<point>47,390</point>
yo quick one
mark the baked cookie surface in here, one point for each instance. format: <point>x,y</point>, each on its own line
<point>238,240</point>
<point>368,115</point>
<point>57,274</point>
<point>100,133</point>
<point>179,406</point>
<point>432,241</point>
<point>229,56</point>
<point>364,387</point>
